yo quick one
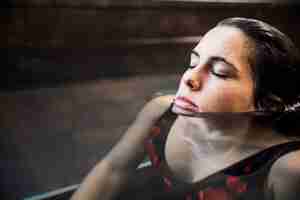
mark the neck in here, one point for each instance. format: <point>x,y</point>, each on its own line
<point>231,130</point>
<point>219,127</point>
<point>213,143</point>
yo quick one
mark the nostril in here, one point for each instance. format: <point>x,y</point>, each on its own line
<point>189,83</point>
<point>193,84</point>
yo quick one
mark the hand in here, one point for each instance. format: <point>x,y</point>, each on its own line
<point>108,177</point>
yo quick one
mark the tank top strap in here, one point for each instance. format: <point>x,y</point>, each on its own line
<point>263,159</point>
<point>280,150</point>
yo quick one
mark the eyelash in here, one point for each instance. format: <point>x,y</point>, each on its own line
<point>222,76</point>
<point>211,70</point>
<point>190,66</point>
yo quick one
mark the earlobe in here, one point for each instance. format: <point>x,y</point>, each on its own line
<point>271,103</point>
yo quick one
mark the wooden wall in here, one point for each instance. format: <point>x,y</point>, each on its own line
<point>57,41</point>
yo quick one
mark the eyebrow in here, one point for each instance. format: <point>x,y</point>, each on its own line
<point>217,59</point>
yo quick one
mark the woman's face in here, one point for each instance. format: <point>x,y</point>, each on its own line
<point>219,77</point>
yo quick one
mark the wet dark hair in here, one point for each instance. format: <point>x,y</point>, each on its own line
<point>275,65</point>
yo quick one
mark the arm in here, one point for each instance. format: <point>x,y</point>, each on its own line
<point>284,178</point>
<point>109,176</point>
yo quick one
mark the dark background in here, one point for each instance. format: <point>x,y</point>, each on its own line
<point>74,74</point>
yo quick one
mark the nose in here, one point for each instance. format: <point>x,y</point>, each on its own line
<point>193,80</point>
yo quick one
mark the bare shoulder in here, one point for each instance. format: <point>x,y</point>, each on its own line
<point>284,177</point>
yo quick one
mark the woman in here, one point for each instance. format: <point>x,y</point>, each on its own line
<point>239,68</point>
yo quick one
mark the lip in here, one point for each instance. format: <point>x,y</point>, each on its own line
<point>186,104</point>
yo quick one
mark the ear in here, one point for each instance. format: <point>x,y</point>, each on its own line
<point>271,103</point>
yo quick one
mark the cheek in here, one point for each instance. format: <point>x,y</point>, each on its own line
<point>229,99</point>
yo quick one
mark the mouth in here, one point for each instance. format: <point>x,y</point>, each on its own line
<point>185,104</point>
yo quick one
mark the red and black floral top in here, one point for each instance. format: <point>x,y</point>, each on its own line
<point>241,181</point>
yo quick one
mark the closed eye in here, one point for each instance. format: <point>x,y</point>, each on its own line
<point>218,66</point>
<point>222,70</point>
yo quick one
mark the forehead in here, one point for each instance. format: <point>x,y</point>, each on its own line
<point>227,42</point>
